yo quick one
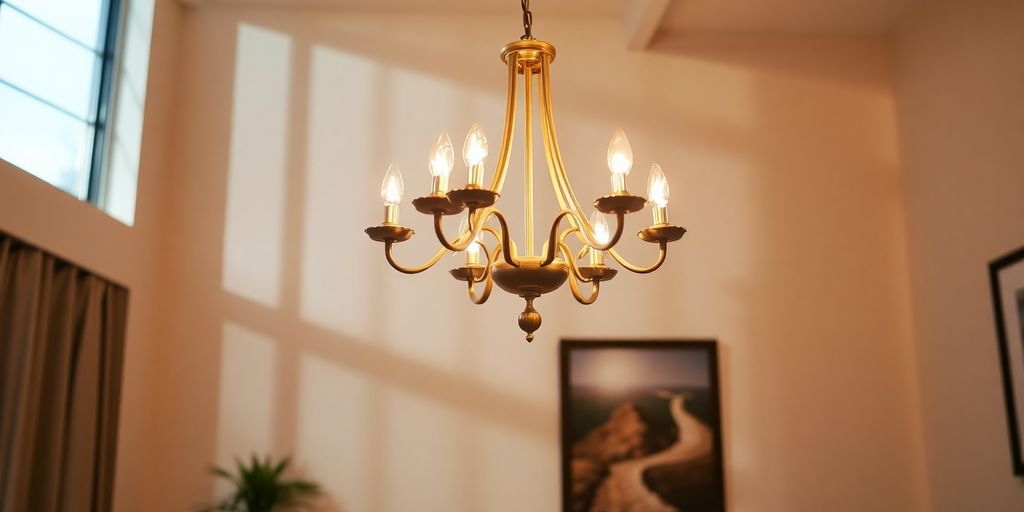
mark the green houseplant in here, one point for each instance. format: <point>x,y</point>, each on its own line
<point>258,487</point>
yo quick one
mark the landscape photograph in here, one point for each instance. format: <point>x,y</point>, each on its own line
<point>641,429</point>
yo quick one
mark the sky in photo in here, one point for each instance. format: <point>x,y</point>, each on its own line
<point>626,368</point>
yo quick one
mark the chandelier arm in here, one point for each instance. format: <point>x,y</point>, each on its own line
<point>595,289</point>
<point>487,278</point>
<point>546,135</point>
<point>662,252</point>
<point>564,189</point>
<point>573,266</point>
<point>475,227</point>
<point>498,180</point>
<point>506,242</point>
<point>594,244</point>
<point>410,270</point>
<point>462,241</point>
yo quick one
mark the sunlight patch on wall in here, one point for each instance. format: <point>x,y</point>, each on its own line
<point>335,431</point>
<point>425,451</point>
<point>511,462</point>
<point>341,193</point>
<point>245,417</point>
<point>254,224</point>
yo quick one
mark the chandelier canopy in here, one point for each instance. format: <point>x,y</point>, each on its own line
<point>527,273</point>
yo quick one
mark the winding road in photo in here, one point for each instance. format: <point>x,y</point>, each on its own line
<point>624,490</point>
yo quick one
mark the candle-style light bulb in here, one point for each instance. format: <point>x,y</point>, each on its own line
<point>620,160</point>
<point>601,235</point>
<point>473,153</point>
<point>473,250</point>
<point>657,194</point>
<point>391,191</point>
<point>442,159</point>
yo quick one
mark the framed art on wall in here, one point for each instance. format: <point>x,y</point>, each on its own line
<point>641,426</point>
<point>1007,280</point>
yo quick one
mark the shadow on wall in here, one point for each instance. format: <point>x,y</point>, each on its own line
<point>392,391</point>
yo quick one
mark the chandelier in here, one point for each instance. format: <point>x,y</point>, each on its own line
<point>527,273</point>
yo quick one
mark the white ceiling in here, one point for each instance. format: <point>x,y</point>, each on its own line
<point>778,17</point>
<point>786,17</point>
<point>539,7</point>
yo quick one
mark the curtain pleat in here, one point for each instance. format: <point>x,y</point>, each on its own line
<point>61,341</point>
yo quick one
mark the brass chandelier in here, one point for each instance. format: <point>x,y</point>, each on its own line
<point>529,274</point>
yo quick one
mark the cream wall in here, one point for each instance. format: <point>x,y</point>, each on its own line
<point>960,90</point>
<point>49,218</point>
<point>285,331</point>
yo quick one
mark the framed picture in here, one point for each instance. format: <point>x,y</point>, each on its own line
<point>1007,278</point>
<point>640,426</point>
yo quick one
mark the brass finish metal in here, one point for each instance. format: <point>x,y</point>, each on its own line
<point>410,270</point>
<point>660,214</point>
<point>529,276</point>
<point>529,320</point>
<point>528,54</point>
<point>661,234</point>
<point>619,203</point>
<point>470,273</point>
<point>473,197</point>
<point>552,246</point>
<point>389,233</point>
<point>530,279</point>
<point>429,205</point>
<point>486,278</point>
<point>599,273</point>
<point>528,187</point>
<point>390,215</point>
<point>506,138</point>
<point>662,252</point>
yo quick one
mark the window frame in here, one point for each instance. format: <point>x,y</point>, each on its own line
<point>102,91</point>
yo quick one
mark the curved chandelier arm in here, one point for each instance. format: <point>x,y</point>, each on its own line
<point>563,191</point>
<point>498,180</point>
<point>595,289</point>
<point>554,237</point>
<point>410,270</point>
<point>462,241</point>
<point>662,252</point>
<point>573,266</point>
<point>481,216</point>
<point>486,278</point>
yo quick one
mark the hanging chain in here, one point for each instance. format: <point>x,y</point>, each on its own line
<point>527,20</point>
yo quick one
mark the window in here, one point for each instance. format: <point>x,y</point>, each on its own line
<point>56,69</point>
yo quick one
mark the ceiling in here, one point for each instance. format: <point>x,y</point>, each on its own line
<point>554,7</point>
<point>786,17</point>
<point>774,17</point>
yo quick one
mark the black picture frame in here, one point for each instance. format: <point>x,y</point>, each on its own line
<point>1006,278</point>
<point>702,485</point>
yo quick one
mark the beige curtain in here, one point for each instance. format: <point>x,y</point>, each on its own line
<point>61,346</point>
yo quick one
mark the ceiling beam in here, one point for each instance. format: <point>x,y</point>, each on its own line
<point>643,17</point>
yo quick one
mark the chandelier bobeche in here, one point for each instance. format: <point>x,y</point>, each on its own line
<point>529,274</point>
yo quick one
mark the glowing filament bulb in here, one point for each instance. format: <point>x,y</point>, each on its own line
<point>601,233</point>
<point>475,149</point>
<point>657,187</point>
<point>620,154</point>
<point>473,250</point>
<point>441,161</point>
<point>392,189</point>
<point>442,156</point>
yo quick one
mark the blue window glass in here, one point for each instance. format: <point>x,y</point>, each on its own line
<point>56,66</point>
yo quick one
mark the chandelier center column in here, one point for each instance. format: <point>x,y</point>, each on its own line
<point>528,94</point>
